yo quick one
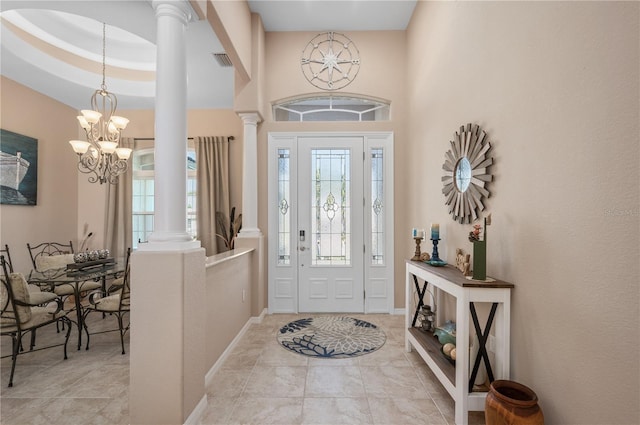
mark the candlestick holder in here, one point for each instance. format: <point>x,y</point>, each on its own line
<point>434,254</point>
<point>435,257</point>
<point>416,255</point>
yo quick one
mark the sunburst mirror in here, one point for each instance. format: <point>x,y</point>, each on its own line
<point>466,173</point>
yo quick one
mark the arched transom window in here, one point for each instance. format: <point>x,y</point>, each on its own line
<point>331,108</point>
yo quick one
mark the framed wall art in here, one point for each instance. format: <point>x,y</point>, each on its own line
<point>18,169</point>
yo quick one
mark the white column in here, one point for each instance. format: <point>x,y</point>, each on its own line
<point>250,176</point>
<point>170,196</point>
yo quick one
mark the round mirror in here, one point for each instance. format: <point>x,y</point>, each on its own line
<point>463,174</point>
<point>467,158</point>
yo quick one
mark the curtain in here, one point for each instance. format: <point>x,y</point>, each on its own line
<point>212,170</point>
<point>118,223</point>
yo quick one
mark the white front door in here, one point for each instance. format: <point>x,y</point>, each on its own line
<point>330,222</point>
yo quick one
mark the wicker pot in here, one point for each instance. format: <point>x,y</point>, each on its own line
<point>511,403</point>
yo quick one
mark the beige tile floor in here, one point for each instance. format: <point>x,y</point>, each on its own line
<point>259,383</point>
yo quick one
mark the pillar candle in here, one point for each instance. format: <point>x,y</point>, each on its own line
<point>435,231</point>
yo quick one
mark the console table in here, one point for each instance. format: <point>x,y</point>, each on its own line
<point>458,381</point>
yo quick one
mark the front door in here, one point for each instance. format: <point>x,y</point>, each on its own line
<point>330,225</point>
<point>330,222</point>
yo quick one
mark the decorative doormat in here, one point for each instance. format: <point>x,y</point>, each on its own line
<point>335,337</point>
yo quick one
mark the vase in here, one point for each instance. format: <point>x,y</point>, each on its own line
<point>510,403</point>
<point>480,260</point>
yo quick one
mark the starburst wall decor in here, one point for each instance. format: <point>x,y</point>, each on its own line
<point>466,173</point>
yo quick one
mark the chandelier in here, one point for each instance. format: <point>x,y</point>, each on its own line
<point>100,156</point>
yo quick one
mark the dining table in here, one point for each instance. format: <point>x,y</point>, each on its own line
<point>74,275</point>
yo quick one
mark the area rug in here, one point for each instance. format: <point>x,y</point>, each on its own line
<point>335,337</point>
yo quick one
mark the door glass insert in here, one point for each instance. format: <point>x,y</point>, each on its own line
<point>331,207</point>
<point>284,216</point>
<point>377,207</point>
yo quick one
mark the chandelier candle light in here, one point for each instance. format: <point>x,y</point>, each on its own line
<point>100,155</point>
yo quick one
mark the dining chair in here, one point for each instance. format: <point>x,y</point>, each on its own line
<point>116,301</point>
<point>54,255</point>
<point>20,316</point>
<point>36,295</point>
<point>7,257</point>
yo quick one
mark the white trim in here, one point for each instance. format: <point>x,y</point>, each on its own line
<point>258,319</point>
<point>216,366</point>
<point>399,311</point>
<point>196,414</point>
<point>226,256</point>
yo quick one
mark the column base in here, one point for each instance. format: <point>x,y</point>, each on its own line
<point>249,233</point>
<point>167,241</point>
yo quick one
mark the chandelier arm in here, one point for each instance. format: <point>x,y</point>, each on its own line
<point>87,164</point>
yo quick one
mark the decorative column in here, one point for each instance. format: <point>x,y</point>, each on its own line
<point>250,176</point>
<point>250,235</point>
<point>167,351</point>
<point>170,197</point>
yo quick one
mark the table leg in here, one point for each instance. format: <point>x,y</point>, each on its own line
<point>76,292</point>
<point>482,341</point>
<point>421,293</point>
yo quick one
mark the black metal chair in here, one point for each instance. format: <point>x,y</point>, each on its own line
<point>116,301</point>
<point>7,257</point>
<point>41,253</point>
<point>36,295</point>
<point>20,316</point>
<point>53,255</point>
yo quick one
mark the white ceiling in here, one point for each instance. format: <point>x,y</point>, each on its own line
<point>55,47</point>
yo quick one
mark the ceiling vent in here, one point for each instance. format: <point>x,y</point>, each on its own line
<point>222,59</point>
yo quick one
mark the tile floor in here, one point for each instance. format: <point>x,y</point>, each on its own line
<point>259,383</point>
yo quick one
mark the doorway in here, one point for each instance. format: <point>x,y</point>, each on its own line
<point>330,222</point>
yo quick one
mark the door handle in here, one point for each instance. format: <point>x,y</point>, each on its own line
<point>302,248</point>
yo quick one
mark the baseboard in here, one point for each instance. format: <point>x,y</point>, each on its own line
<point>258,320</point>
<point>399,311</point>
<point>196,414</point>
<point>209,375</point>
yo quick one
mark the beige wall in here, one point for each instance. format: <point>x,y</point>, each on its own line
<point>227,310</point>
<point>556,87</point>
<point>231,21</point>
<point>27,112</point>
<point>381,76</point>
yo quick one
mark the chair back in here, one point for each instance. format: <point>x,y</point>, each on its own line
<point>7,257</point>
<point>125,292</point>
<point>14,298</point>
<point>40,253</point>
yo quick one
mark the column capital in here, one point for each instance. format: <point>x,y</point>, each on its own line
<point>179,9</point>
<point>250,118</point>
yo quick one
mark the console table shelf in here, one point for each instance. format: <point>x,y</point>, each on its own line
<point>430,344</point>
<point>456,379</point>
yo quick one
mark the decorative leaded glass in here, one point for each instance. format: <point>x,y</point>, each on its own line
<point>377,207</point>
<point>284,219</point>
<point>331,207</point>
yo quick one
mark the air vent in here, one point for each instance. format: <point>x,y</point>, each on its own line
<point>222,59</point>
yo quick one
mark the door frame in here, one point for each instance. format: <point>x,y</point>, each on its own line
<point>378,279</point>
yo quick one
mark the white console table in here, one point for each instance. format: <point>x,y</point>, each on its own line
<point>456,378</point>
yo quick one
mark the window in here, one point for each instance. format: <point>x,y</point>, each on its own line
<point>331,108</point>
<point>143,191</point>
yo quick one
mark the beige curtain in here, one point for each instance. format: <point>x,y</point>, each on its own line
<point>118,223</point>
<point>212,158</point>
